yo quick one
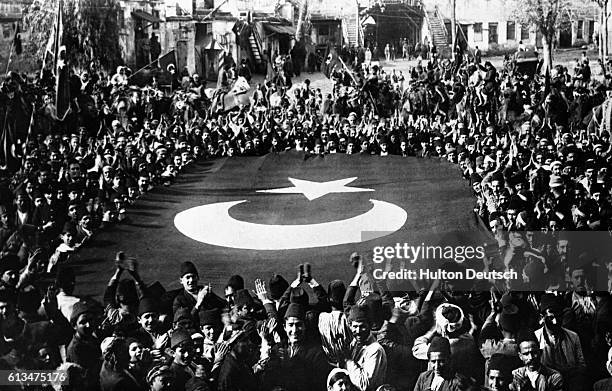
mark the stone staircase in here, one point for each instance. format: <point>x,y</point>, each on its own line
<point>256,51</point>
<point>351,30</point>
<point>438,32</point>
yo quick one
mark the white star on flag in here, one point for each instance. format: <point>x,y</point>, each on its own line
<point>313,190</point>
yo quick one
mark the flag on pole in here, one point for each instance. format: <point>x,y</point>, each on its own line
<point>62,91</point>
<point>331,62</point>
<point>17,40</point>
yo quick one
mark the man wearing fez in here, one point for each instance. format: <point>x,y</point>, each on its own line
<point>194,296</point>
<point>304,366</point>
<point>366,361</point>
<point>441,376</point>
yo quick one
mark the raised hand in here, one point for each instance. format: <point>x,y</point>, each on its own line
<point>260,291</point>
<point>222,350</point>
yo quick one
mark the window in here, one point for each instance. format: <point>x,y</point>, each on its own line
<point>155,13</point>
<point>511,31</point>
<point>477,32</point>
<point>524,33</point>
<point>492,32</point>
<point>580,29</point>
<point>121,19</point>
<point>323,29</point>
<point>7,30</point>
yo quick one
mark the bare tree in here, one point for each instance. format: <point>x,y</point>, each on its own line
<point>547,16</point>
<point>91,30</point>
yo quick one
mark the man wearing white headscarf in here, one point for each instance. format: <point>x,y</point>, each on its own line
<point>451,323</point>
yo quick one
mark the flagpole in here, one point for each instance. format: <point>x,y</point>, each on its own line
<point>8,63</point>
<point>355,81</point>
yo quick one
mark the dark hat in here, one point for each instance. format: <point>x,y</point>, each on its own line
<point>534,270</point>
<point>64,277</point>
<point>178,337</point>
<point>159,370</point>
<point>550,301</point>
<point>78,309</point>
<point>475,178</point>
<point>156,290</point>
<point>236,282</point>
<point>596,188</point>
<point>497,176</point>
<point>147,305</point>
<point>439,345</point>
<point>295,311</point>
<point>69,227</point>
<point>336,291</point>
<point>299,296</point>
<point>508,304</point>
<point>376,310</point>
<point>183,313</point>
<point>242,297</point>
<point>359,313</point>
<point>9,262</point>
<point>509,322</point>
<point>515,204</point>
<point>210,317</point>
<point>504,364</point>
<point>8,296</point>
<point>278,286</point>
<point>188,268</point>
<point>29,299</point>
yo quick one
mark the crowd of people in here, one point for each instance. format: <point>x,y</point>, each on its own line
<point>536,152</point>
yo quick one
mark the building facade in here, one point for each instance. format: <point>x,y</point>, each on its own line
<point>491,26</point>
<point>335,22</point>
<point>138,21</point>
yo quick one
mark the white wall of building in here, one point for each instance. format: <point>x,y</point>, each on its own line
<point>481,15</point>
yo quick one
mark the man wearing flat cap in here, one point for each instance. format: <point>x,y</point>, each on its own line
<point>534,375</point>
<point>561,347</point>
<point>160,378</point>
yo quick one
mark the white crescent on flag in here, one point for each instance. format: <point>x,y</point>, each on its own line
<point>213,224</point>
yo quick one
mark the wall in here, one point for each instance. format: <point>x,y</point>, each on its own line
<point>469,12</point>
<point>127,25</point>
<point>334,32</point>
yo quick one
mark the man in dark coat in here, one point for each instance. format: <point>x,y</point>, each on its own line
<point>84,349</point>
<point>236,373</point>
<point>441,377</point>
<point>193,296</point>
<point>305,366</point>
